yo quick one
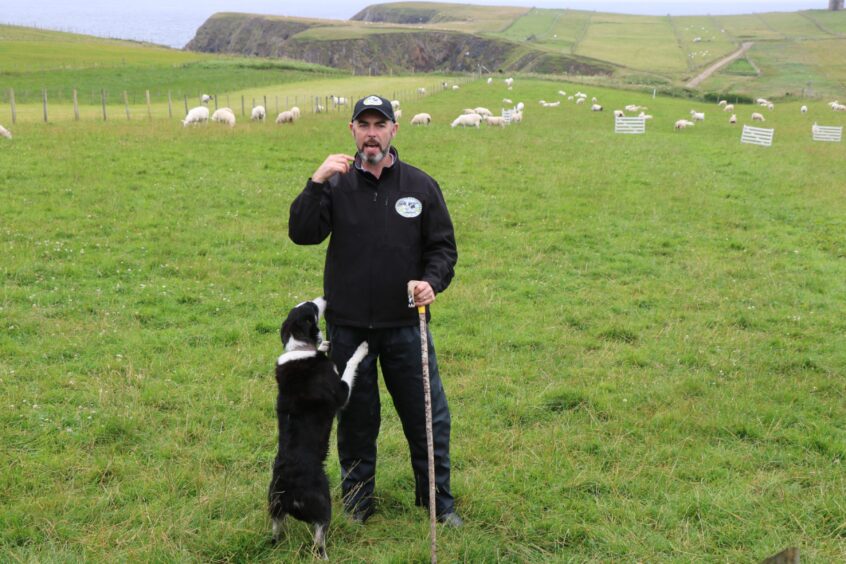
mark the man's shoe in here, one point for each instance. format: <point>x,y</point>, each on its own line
<point>451,520</point>
<point>360,516</point>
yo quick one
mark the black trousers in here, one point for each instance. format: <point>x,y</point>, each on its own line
<point>398,353</point>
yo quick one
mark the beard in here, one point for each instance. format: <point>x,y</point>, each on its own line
<point>373,159</point>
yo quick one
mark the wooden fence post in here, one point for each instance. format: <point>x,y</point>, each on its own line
<point>44,102</point>
<point>215,102</point>
<point>126,103</point>
<point>277,105</point>
<point>149,110</point>
<point>75,106</point>
<point>169,105</point>
<point>103,101</point>
<point>242,105</point>
<point>186,104</point>
<point>265,103</point>
<point>12,102</point>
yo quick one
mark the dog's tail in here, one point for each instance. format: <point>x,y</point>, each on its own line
<point>351,369</point>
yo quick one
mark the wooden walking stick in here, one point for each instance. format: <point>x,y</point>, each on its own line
<point>427,402</point>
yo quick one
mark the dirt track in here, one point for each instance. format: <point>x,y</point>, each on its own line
<point>697,80</point>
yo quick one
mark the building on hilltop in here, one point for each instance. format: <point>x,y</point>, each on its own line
<point>835,4</point>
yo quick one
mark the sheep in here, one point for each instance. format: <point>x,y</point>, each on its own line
<point>455,87</point>
<point>580,100</point>
<point>421,119</point>
<point>770,106</point>
<point>581,95</point>
<point>832,104</point>
<point>205,98</point>
<point>520,106</point>
<point>338,100</point>
<point>562,93</point>
<point>552,104</point>
<point>484,112</point>
<point>196,115</point>
<point>296,111</point>
<point>490,80</point>
<point>733,119</point>
<point>258,113</point>
<point>224,115</point>
<point>682,123</point>
<point>569,98</point>
<point>762,101</point>
<point>596,108</point>
<point>467,120</point>
<point>507,101</point>
<point>594,100</point>
<point>804,109</point>
<point>839,108</point>
<point>619,113</point>
<point>644,115</point>
<point>516,117</point>
<point>542,102</point>
<point>509,81</point>
<point>397,114</point>
<point>319,109</point>
<point>635,108</point>
<point>495,120</point>
<point>421,91</point>
<point>395,105</point>
<point>728,108</point>
<point>757,117</point>
<point>722,103</point>
<point>697,116</point>
<point>285,117</point>
<point>468,111</point>
<point>5,132</point>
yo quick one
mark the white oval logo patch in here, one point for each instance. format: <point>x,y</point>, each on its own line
<point>409,207</point>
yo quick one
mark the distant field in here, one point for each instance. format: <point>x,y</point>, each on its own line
<point>558,29</point>
<point>834,22</point>
<point>650,43</point>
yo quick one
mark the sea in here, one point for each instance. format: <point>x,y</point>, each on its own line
<point>174,22</point>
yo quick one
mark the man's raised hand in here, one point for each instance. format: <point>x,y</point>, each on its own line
<point>334,164</point>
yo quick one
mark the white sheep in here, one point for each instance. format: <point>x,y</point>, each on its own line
<point>562,93</point>
<point>683,123</point>
<point>196,115</point>
<point>467,120</point>
<point>224,115</point>
<point>509,81</point>
<point>619,113</point>
<point>338,100</point>
<point>397,114</point>
<point>258,113</point>
<point>635,108</point>
<point>839,108</point>
<point>421,119</point>
<point>495,120</point>
<point>5,132</point>
<point>455,87</point>
<point>581,95</point>
<point>421,91</point>
<point>569,98</point>
<point>395,104</point>
<point>285,117</point>
<point>484,112</point>
<point>580,100</point>
<point>722,103</point>
<point>520,106</point>
<point>516,117</point>
<point>697,116</point>
<point>490,80</point>
<point>468,111</point>
<point>319,109</point>
<point>644,115</point>
<point>757,117</point>
<point>733,119</point>
<point>296,111</point>
<point>596,108</point>
<point>728,108</point>
<point>594,100</point>
<point>770,106</point>
<point>507,101</point>
<point>804,109</point>
<point>762,101</point>
<point>205,98</point>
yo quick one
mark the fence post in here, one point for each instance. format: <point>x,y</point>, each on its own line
<point>215,102</point>
<point>265,103</point>
<point>126,103</point>
<point>149,110</point>
<point>75,106</point>
<point>103,101</point>
<point>44,103</point>
<point>169,105</point>
<point>242,106</point>
<point>186,104</point>
<point>12,101</point>
<point>277,105</point>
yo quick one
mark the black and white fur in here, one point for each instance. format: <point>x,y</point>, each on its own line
<point>310,394</point>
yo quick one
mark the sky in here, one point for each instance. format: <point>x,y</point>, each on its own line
<point>174,22</point>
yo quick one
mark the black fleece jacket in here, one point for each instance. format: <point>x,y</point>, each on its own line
<point>385,232</point>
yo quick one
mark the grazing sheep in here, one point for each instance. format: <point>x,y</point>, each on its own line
<point>728,108</point>
<point>733,119</point>
<point>580,100</point>
<point>762,101</point>
<point>832,104</point>
<point>562,93</point>
<point>683,123</point>
<point>468,111</point>
<point>697,116</point>
<point>596,108</point>
<point>495,120</point>
<point>258,113</point>
<point>455,87</point>
<point>804,109</point>
<point>644,115</point>
<point>395,104</point>
<point>5,132</point>
<point>839,108</point>
<point>594,100</point>
<point>770,106</point>
<point>581,95</point>
<point>319,109</point>
<point>490,80</point>
<point>421,91</point>
<point>397,114</point>
<point>484,112</point>
<point>338,100</point>
<point>516,117</point>
<point>467,120</point>
<point>421,119</point>
<point>520,106</point>
<point>551,104</point>
<point>224,115</point>
<point>285,117</point>
<point>722,103</point>
<point>205,98</point>
<point>635,108</point>
<point>619,113</point>
<point>296,111</point>
<point>507,101</point>
<point>509,81</point>
<point>757,117</point>
<point>196,115</point>
<point>569,98</point>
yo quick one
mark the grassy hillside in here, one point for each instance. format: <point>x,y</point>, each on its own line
<point>643,346</point>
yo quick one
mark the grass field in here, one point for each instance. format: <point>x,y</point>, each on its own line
<point>643,346</point>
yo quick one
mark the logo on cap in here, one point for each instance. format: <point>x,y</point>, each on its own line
<point>372,101</point>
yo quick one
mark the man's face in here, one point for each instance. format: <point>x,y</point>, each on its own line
<point>373,133</point>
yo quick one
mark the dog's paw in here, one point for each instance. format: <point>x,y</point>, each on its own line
<point>362,350</point>
<point>324,347</point>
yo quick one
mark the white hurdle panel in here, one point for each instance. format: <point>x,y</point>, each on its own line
<point>506,115</point>
<point>757,136</point>
<point>826,133</point>
<point>629,125</point>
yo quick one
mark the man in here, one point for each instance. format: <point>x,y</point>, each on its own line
<point>389,225</point>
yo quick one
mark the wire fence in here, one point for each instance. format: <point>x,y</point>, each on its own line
<point>104,105</point>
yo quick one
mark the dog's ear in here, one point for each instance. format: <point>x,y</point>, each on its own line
<point>321,306</point>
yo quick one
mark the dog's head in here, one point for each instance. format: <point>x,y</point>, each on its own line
<point>301,329</point>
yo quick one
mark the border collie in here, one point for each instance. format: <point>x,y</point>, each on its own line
<point>310,394</point>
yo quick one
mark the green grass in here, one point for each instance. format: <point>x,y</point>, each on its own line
<point>642,347</point>
<point>741,67</point>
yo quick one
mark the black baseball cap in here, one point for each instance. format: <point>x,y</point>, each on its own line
<point>376,103</point>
